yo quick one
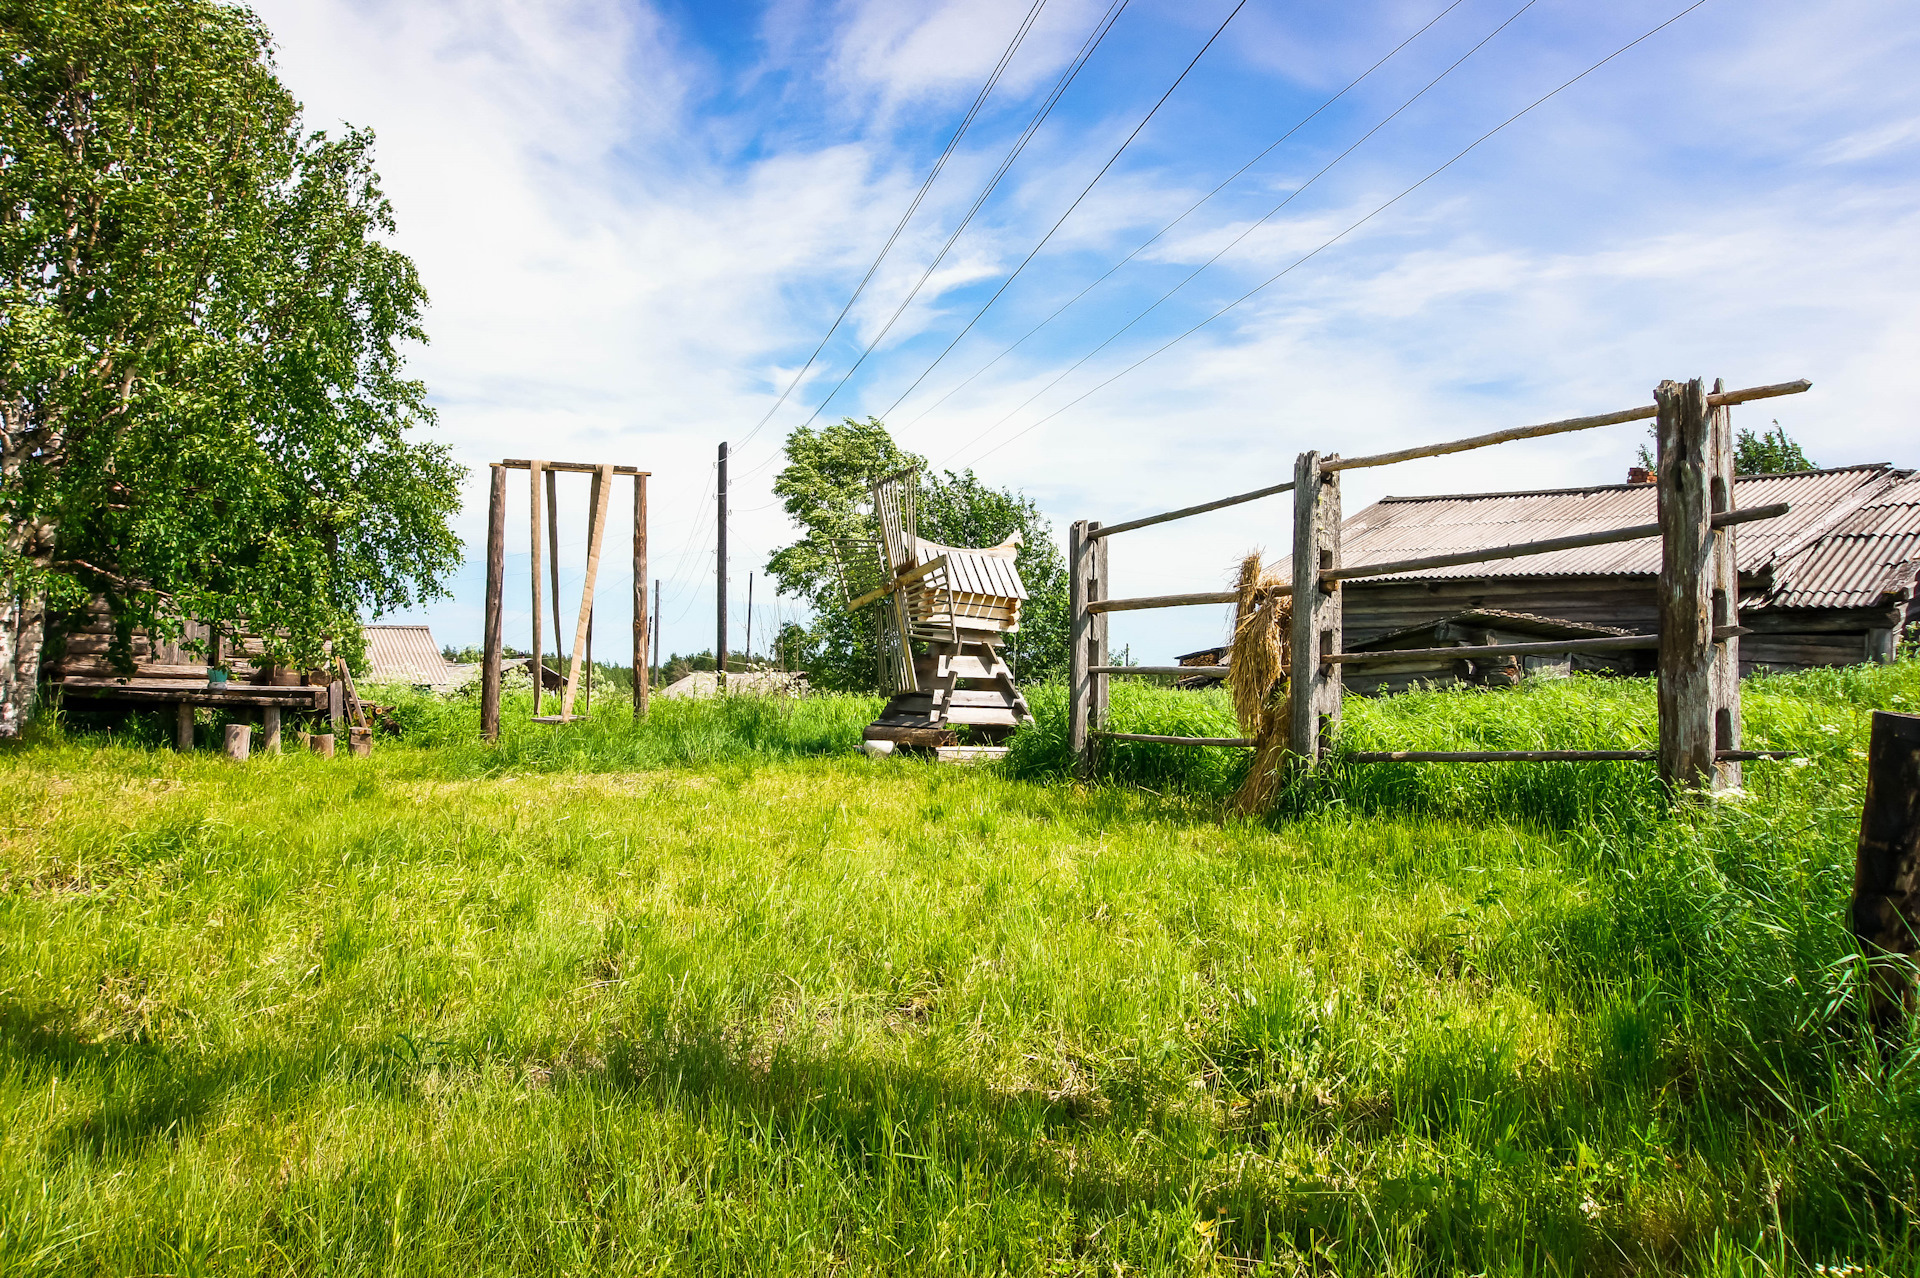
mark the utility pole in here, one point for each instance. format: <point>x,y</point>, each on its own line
<point>720,581</point>
<point>653,624</point>
<point>749,621</point>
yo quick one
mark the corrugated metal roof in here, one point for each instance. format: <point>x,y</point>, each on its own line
<point>405,654</point>
<point>1872,553</point>
<point>1406,527</point>
<point>1494,618</point>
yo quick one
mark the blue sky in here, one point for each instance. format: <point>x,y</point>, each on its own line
<point>636,222</point>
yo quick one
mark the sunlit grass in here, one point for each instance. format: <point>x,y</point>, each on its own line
<point>720,994</point>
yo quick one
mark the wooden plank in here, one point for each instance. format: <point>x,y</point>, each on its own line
<point>1555,428</point>
<point>534,469</point>
<point>1520,549</point>
<point>596,530</point>
<point>1167,601</point>
<point>642,676</point>
<point>1610,643</point>
<point>1160,740</point>
<point>983,716</point>
<point>1723,675</point>
<point>1886,905</point>
<point>969,754</point>
<point>1313,682</point>
<point>496,580</point>
<point>169,692</point>
<point>553,557</point>
<point>924,737</point>
<point>1684,689</point>
<point>1079,645</point>
<point>1499,756</point>
<point>1129,525</point>
<point>586,468</point>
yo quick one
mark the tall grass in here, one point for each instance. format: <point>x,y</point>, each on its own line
<point>717,994</point>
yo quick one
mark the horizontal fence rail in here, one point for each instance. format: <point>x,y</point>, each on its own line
<point>1546,756</point>
<point>1215,672</point>
<point>1518,549</point>
<point>1148,521</point>
<point>1645,413</point>
<point>1608,643</point>
<point>1196,741</point>
<point>1174,601</point>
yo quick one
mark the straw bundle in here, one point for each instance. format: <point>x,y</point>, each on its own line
<point>1257,674</point>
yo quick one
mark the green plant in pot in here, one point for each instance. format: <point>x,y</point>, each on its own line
<point>217,676</point>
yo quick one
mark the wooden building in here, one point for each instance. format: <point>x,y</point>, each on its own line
<point>1830,583</point>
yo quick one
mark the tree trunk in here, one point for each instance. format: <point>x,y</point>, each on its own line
<point>23,627</point>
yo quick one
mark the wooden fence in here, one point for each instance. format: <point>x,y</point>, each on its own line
<point>1698,594</point>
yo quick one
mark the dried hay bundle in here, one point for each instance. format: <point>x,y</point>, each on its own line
<point>1257,673</point>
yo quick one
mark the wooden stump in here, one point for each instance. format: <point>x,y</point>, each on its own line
<point>270,730</point>
<point>183,726</point>
<point>322,743</point>
<point>239,741</point>
<point>360,742</point>
<point>1886,876</point>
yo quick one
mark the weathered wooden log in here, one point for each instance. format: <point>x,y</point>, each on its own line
<point>270,729</point>
<point>587,468</point>
<point>1128,525</point>
<point>642,676</point>
<point>239,741</point>
<point>1313,688</point>
<point>496,582</point>
<point>360,742</point>
<point>183,726</point>
<point>1184,672</point>
<point>322,743</point>
<point>1193,741</point>
<point>1886,874</point>
<point>1166,601</point>
<point>1684,689</point>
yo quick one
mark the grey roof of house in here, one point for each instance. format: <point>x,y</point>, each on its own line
<point>407,654</point>
<point>1870,554</point>
<point>1497,619</point>
<point>1824,503</point>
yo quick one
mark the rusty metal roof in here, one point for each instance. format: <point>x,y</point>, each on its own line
<point>1872,553</point>
<point>1406,527</point>
<point>405,654</point>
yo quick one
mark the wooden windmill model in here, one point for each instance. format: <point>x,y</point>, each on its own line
<point>959,605</point>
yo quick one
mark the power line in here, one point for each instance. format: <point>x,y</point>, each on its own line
<point>1155,237</point>
<point>1235,241</point>
<point>1008,282</point>
<point>1459,155</point>
<point>953,144</point>
<point>1046,108</point>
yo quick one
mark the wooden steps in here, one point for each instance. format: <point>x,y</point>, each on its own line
<point>962,685</point>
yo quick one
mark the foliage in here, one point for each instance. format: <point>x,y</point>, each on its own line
<point>201,358</point>
<point>716,994</point>
<point>824,488</point>
<point>1771,452</point>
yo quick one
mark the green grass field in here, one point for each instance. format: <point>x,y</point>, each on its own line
<point>720,995</point>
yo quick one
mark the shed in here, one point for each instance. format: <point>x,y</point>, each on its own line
<point>1475,626</point>
<point>1830,583</point>
<point>408,654</point>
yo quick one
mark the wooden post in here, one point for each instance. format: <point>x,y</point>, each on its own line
<point>270,729</point>
<point>1886,875</point>
<point>183,726</point>
<point>720,580</point>
<point>654,622</point>
<point>1313,683</point>
<point>337,705</point>
<point>1097,588</point>
<point>1080,580</point>
<point>322,743</point>
<point>641,674</point>
<point>360,742</point>
<point>535,469</point>
<point>496,580</point>
<point>1725,675</point>
<point>553,557</point>
<point>596,529</point>
<point>1686,680</point>
<point>239,741</point>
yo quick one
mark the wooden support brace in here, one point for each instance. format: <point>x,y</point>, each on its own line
<point>496,578</point>
<point>536,469</point>
<point>596,531</point>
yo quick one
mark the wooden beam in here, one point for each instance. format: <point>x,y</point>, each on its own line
<point>1610,643</point>
<point>1487,440</point>
<point>1159,740</point>
<point>1130,524</point>
<point>1684,690</point>
<point>1313,682</point>
<point>270,729</point>
<point>1886,902</point>
<point>553,557</point>
<point>1537,756</point>
<point>586,468</point>
<point>183,726</point>
<point>596,531</point>
<point>642,676</point>
<point>1168,601</point>
<point>1519,549</point>
<point>1724,594</point>
<point>1217,672</point>
<point>534,469</point>
<point>496,574</point>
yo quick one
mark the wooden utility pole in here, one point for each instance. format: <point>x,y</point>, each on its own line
<point>720,577</point>
<point>749,621</point>
<point>1686,683</point>
<point>1886,875</point>
<point>655,623</point>
<point>535,470</point>
<point>1313,682</point>
<point>496,579</point>
<point>642,680</point>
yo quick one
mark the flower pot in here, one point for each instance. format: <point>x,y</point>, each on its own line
<point>216,678</point>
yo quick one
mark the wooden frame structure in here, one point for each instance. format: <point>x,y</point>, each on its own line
<point>543,497</point>
<point>1698,591</point>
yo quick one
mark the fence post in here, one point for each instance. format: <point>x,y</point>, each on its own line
<point>1726,601</point>
<point>1086,691</point>
<point>1686,680</point>
<point>1886,875</point>
<point>1313,683</point>
<point>496,580</point>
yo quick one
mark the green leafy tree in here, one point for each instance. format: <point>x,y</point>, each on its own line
<point>203,409</point>
<point>824,490</point>
<point>1771,452</point>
